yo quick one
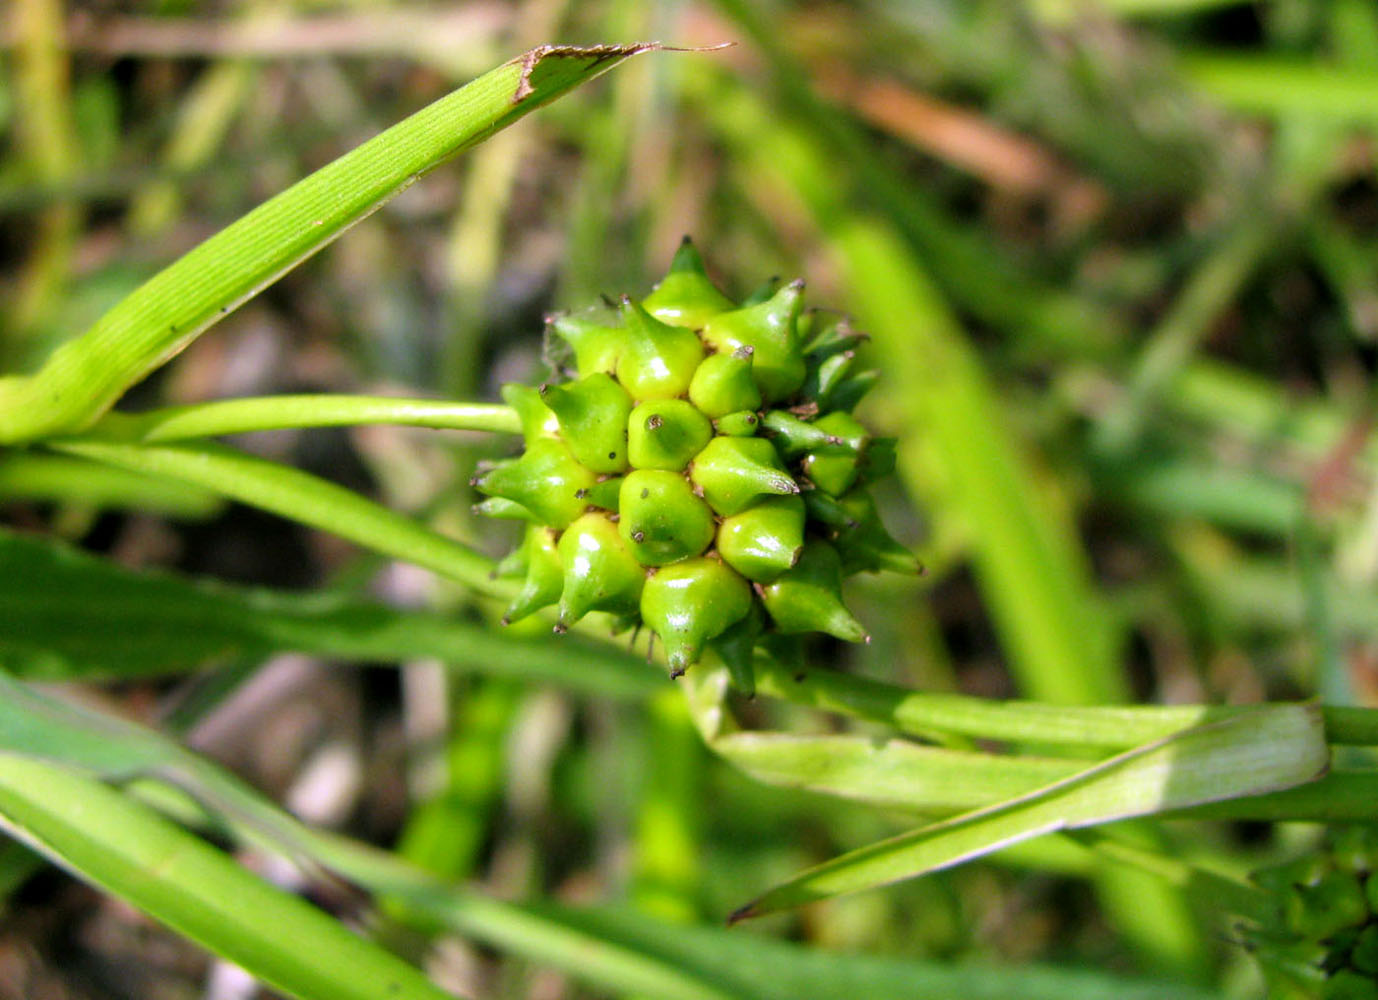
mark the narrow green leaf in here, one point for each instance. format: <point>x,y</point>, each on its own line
<point>615,949</point>
<point>1274,747</point>
<point>302,497</point>
<point>148,623</point>
<point>61,479</point>
<point>125,848</point>
<point>890,773</point>
<point>83,377</point>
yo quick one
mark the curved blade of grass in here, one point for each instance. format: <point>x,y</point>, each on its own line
<point>83,377</point>
<point>301,497</point>
<point>1271,748</point>
<point>125,848</point>
<point>890,773</point>
<point>141,623</point>
<point>1080,727</point>
<point>240,416</point>
<point>615,949</point>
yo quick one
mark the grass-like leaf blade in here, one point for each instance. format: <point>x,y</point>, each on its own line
<point>138,855</point>
<point>148,623</point>
<point>1272,748</point>
<point>84,377</point>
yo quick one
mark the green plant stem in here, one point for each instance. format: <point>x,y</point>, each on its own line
<point>1073,726</point>
<point>267,413</point>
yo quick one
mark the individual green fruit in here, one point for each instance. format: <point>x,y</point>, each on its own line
<point>1334,902</point>
<point>505,509</point>
<point>763,292</point>
<point>661,519</point>
<point>686,296</point>
<point>605,493</point>
<point>546,479</point>
<point>689,603</point>
<point>825,376</point>
<point>834,469</point>
<point>732,472</point>
<point>847,393</point>
<point>1349,985</point>
<point>657,360</point>
<point>793,437</point>
<point>808,598</point>
<point>861,539</point>
<point>536,419</point>
<point>825,333</point>
<point>770,329</point>
<point>592,414</point>
<point>600,573</point>
<point>765,539</point>
<point>723,384</point>
<point>597,346</point>
<point>666,434</point>
<point>1365,953</point>
<point>544,575</point>
<point>743,423</point>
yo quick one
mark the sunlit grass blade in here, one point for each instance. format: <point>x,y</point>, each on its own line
<point>890,773</point>
<point>1271,748</point>
<point>147,623</point>
<point>195,889</point>
<point>83,377</point>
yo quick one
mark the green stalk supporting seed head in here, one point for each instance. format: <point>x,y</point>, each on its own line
<point>702,473</point>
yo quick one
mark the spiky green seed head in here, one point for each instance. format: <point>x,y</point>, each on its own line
<point>701,473</point>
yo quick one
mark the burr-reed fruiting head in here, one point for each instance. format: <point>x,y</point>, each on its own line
<point>701,473</point>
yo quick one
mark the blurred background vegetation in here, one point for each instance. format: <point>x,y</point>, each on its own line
<point>1118,259</point>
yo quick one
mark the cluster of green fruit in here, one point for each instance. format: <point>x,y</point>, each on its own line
<point>1322,938</point>
<point>700,473</point>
